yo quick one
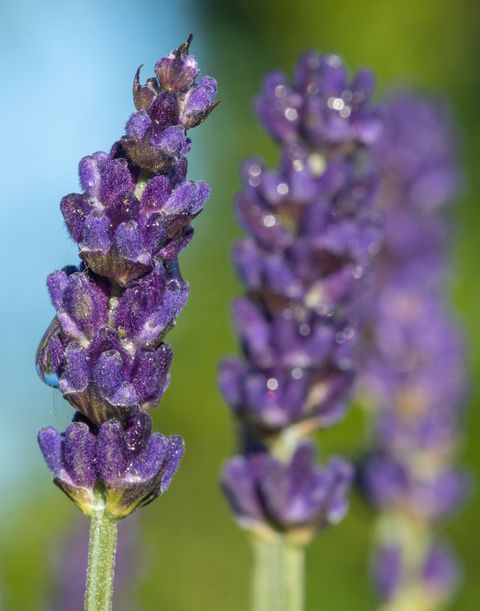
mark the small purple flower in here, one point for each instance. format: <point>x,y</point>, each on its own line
<point>437,574</point>
<point>121,232</point>
<point>119,466</point>
<point>387,571</point>
<point>167,105</point>
<point>297,498</point>
<point>106,353</point>
<point>321,106</point>
<point>440,572</point>
<point>390,484</point>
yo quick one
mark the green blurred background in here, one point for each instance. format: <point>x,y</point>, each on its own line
<point>194,558</point>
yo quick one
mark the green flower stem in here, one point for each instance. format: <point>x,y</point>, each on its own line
<point>278,578</point>
<point>101,562</point>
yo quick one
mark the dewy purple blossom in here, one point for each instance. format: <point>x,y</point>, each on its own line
<point>128,464</point>
<point>105,348</point>
<point>413,363</point>
<point>311,232</point>
<point>108,351</point>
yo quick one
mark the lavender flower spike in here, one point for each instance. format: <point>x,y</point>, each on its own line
<point>105,348</point>
<point>312,231</point>
<point>413,363</point>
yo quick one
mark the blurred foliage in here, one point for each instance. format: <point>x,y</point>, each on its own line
<point>195,557</point>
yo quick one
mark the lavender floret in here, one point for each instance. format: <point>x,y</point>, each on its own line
<point>392,574</point>
<point>297,498</point>
<point>120,466</point>
<point>321,106</point>
<point>123,223</point>
<point>106,353</point>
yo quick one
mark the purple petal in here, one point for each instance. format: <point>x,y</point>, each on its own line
<point>239,487</point>
<point>151,373</point>
<point>79,454</point>
<point>149,462</point>
<point>75,209</point>
<point>111,452</point>
<point>89,170</point>
<point>50,442</point>
<point>108,373</point>
<point>76,370</point>
<point>116,178</point>
<point>96,235</point>
<point>138,125</point>
<point>176,450</point>
<point>156,193</point>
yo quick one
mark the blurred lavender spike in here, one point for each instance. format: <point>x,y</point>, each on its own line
<point>413,365</point>
<point>312,230</point>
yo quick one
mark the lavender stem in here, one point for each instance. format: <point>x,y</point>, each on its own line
<point>278,575</point>
<point>101,562</point>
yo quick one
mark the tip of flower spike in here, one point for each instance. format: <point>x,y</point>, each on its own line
<point>177,71</point>
<point>185,46</point>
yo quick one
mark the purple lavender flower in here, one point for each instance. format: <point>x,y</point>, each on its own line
<point>105,352</point>
<point>431,496</point>
<point>413,358</point>
<point>394,575</point>
<point>311,239</point>
<point>124,224</point>
<point>312,230</point>
<point>297,498</point>
<point>321,106</point>
<point>127,466</point>
<point>105,348</point>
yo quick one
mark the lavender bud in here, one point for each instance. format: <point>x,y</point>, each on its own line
<point>119,234</point>
<point>167,106</point>
<point>321,106</point>
<point>296,498</point>
<point>122,466</point>
<point>178,71</point>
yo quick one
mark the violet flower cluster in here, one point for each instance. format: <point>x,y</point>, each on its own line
<point>105,348</point>
<point>312,230</point>
<point>413,358</point>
